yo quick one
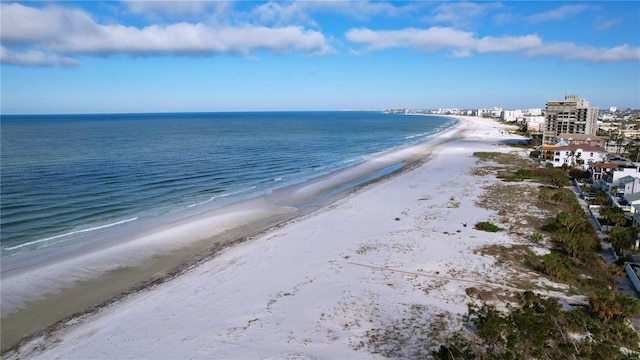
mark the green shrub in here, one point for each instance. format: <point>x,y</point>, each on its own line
<point>557,266</point>
<point>487,226</point>
<point>579,174</point>
<point>538,328</point>
<point>609,304</point>
<point>537,238</point>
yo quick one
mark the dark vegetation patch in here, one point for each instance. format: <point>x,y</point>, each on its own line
<point>411,337</point>
<point>487,226</point>
<point>511,159</point>
<point>549,176</point>
<point>509,254</point>
<point>538,328</point>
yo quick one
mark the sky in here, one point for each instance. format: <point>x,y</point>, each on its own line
<point>184,56</point>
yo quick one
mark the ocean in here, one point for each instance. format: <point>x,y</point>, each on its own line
<point>66,178</point>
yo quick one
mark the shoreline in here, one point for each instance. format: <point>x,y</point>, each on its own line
<point>396,222</point>
<point>84,281</point>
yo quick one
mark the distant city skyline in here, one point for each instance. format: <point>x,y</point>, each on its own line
<point>182,56</point>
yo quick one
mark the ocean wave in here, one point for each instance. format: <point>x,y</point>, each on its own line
<point>408,137</point>
<point>69,234</point>
<point>213,198</point>
<point>128,172</point>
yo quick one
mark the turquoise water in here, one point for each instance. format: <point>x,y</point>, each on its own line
<point>67,176</point>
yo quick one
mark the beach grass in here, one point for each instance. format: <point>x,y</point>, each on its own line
<point>528,207</point>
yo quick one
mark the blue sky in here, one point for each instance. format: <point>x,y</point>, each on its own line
<point>165,56</point>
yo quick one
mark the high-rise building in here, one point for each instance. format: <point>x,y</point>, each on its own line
<point>569,116</point>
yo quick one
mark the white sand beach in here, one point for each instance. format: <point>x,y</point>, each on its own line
<point>313,287</point>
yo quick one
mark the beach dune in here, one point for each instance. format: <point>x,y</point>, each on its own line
<point>314,286</point>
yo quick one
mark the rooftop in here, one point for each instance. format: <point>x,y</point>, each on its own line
<point>569,136</point>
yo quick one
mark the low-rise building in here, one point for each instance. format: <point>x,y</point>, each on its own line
<point>601,170</point>
<point>493,112</point>
<point>573,155</point>
<point>616,146</point>
<point>511,115</point>
<point>587,139</point>
<point>609,173</point>
<point>534,123</point>
<point>534,112</point>
<point>632,202</point>
<point>626,185</point>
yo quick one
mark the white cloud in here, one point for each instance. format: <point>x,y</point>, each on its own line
<point>433,39</point>
<point>218,12</point>
<point>24,25</point>
<point>571,51</point>
<point>155,8</point>
<point>299,12</point>
<point>462,43</point>
<point>189,39</point>
<point>506,43</point>
<point>362,10</point>
<point>605,24</point>
<point>35,58</point>
<point>279,13</point>
<point>71,31</point>
<point>558,14</point>
<point>461,14</point>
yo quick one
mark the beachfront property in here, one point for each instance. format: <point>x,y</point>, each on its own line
<point>612,170</point>
<point>619,177</point>
<point>569,116</point>
<point>563,154</point>
<point>588,139</point>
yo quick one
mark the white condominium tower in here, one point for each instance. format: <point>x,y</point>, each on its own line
<point>569,116</point>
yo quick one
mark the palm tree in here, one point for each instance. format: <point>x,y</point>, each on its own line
<point>609,304</point>
<point>602,198</point>
<point>620,239</point>
<point>570,243</point>
<point>544,195</point>
<point>613,215</point>
<point>570,221</point>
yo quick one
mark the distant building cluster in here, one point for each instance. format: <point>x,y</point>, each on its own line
<point>576,135</point>
<point>572,115</point>
<point>495,112</point>
<point>569,133</point>
<point>572,132</point>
